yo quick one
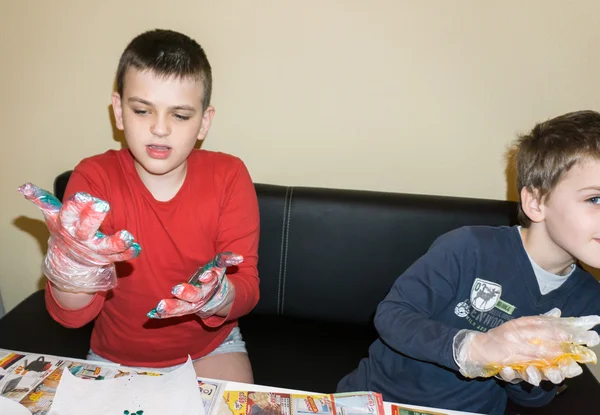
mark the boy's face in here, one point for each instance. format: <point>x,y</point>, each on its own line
<point>571,215</point>
<point>162,119</point>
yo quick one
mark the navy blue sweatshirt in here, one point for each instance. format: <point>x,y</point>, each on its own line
<point>471,278</point>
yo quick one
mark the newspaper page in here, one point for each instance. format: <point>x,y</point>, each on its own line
<point>32,379</point>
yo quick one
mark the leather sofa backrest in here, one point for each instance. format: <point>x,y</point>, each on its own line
<point>332,255</point>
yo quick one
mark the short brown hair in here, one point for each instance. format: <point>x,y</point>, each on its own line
<point>551,149</point>
<point>167,53</point>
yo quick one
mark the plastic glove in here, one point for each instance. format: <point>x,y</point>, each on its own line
<point>79,257</point>
<point>566,367</point>
<point>205,292</point>
<point>529,348</point>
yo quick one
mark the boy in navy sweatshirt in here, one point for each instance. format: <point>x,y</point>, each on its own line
<point>477,319</point>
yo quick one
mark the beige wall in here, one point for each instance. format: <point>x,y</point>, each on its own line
<point>407,96</point>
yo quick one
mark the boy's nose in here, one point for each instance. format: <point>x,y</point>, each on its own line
<point>160,127</point>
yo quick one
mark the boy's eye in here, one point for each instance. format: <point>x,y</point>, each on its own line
<point>182,117</point>
<point>140,112</point>
<point>594,200</point>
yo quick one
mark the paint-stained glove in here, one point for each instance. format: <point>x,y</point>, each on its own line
<point>206,292</point>
<point>80,258</point>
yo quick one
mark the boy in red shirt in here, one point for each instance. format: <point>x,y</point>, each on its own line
<point>186,208</point>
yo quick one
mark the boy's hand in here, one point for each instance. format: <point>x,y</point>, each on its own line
<point>80,258</point>
<point>533,349</point>
<point>206,292</point>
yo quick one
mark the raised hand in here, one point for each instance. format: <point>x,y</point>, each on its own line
<point>206,291</point>
<point>80,258</point>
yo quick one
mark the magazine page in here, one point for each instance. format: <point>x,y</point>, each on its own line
<point>31,379</point>
<point>275,403</point>
<point>255,403</point>
<point>39,399</point>
<point>212,391</point>
<point>21,373</point>
<point>401,410</point>
<point>359,403</point>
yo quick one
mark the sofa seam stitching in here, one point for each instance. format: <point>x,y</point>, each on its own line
<point>287,237</point>
<point>285,205</point>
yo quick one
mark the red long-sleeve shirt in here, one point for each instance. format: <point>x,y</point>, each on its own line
<point>216,210</point>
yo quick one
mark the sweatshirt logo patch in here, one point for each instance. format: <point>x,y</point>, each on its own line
<point>485,294</point>
<point>462,309</point>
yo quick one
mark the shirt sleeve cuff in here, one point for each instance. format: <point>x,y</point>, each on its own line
<point>72,318</point>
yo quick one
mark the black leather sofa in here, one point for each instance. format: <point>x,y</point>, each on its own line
<point>326,259</point>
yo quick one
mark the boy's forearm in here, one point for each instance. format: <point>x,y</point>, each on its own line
<point>72,310</point>
<point>416,336</point>
<point>71,301</point>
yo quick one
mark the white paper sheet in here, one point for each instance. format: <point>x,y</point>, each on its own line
<point>8,407</point>
<point>174,393</point>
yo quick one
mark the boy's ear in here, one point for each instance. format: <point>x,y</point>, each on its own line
<point>207,118</point>
<point>117,110</point>
<point>532,205</point>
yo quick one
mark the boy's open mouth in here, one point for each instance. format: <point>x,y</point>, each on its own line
<point>158,152</point>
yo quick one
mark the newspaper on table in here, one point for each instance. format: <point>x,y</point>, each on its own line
<point>31,379</point>
<point>277,403</point>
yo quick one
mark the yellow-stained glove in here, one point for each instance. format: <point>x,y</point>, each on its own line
<point>534,348</point>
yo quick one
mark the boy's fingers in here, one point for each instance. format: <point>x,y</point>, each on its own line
<point>71,211</point>
<point>227,259</point>
<point>189,293</point>
<point>211,275</point>
<point>111,244</point>
<point>582,354</point>
<point>533,375</point>
<point>553,374</point>
<point>555,312</point>
<point>171,307</point>
<point>589,338</point>
<point>585,322</point>
<point>45,200</point>
<point>130,253</point>
<point>520,373</point>
<point>81,215</point>
<point>508,374</point>
<point>91,217</point>
<point>569,368</point>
